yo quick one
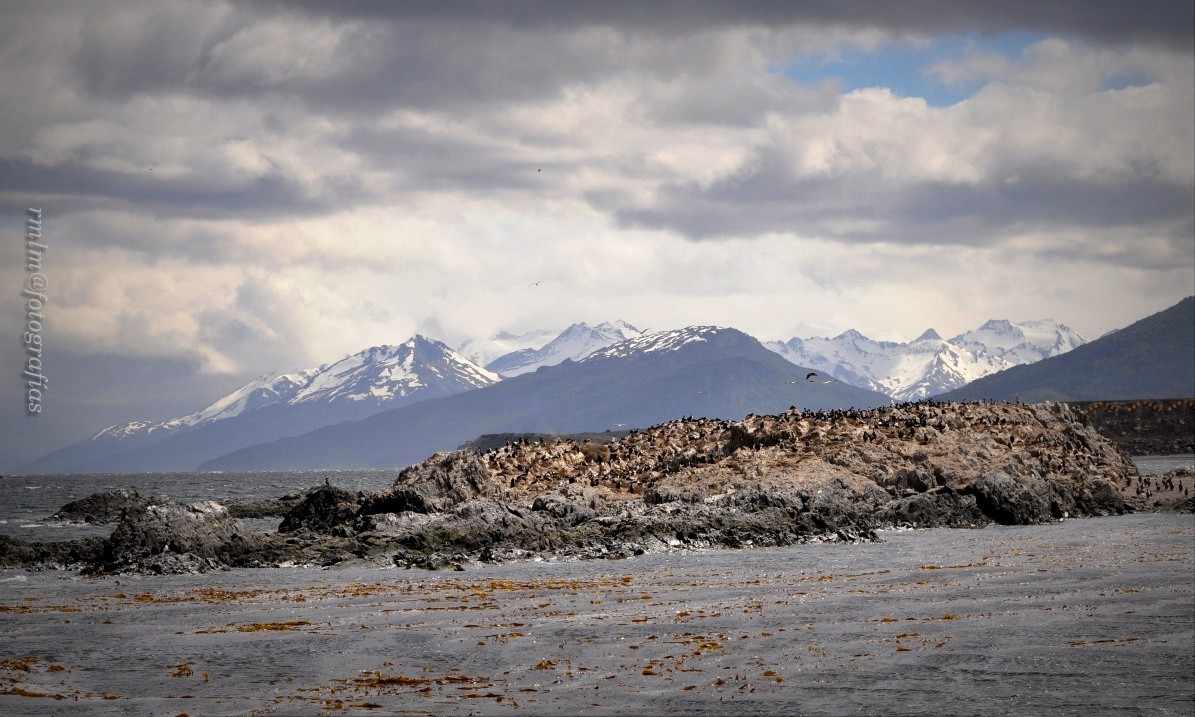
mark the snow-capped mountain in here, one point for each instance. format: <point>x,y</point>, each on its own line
<point>483,351</point>
<point>929,365</point>
<point>638,382</point>
<point>258,393</point>
<point>384,373</point>
<point>375,376</point>
<point>275,406</point>
<point>574,343</point>
<point>1022,342</point>
<point>657,341</point>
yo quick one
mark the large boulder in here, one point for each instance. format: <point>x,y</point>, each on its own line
<point>1012,500</point>
<point>177,537</point>
<point>60,555</point>
<point>937,509</point>
<point>105,507</point>
<point>436,485</point>
<point>324,509</point>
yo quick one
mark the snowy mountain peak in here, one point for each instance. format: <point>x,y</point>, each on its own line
<point>1021,342</point>
<point>376,376</point>
<point>574,343</point>
<point>998,326</point>
<point>658,341</point>
<point>485,351</point>
<point>383,373</point>
<point>929,365</point>
<point>258,393</point>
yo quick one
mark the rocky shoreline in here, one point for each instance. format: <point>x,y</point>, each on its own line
<point>693,483</point>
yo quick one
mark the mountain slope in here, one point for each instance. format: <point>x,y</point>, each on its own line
<point>699,371</point>
<point>929,365</point>
<point>1152,358</point>
<point>575,342</point>
<point>1021,342</point>
<point>483,351</point>
<point>268,408</point>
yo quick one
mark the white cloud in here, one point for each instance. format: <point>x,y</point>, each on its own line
<point>248,189</point>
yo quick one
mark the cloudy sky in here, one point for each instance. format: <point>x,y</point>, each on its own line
<point>235,188</point>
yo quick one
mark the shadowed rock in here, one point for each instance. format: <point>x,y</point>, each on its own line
<point>436,485</point>
<point>177,537</point>
<point>322,510</point>
<point>101,507</point>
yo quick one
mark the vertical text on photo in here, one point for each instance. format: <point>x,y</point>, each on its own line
<point>35,299</point>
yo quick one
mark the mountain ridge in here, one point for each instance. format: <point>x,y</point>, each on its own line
<point>703,371</point>
<point>1151,358</point>
<point>575,342</point>
<point>930,365</point>
<point>371,377</point>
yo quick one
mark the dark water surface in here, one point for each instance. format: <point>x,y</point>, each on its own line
<point>1084,617</point>
<point>26,501</point>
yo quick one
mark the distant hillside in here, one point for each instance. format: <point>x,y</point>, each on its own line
<point>1153,358</point>
<point>1144,428</point>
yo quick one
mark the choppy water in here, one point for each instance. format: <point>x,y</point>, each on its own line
<point>26,501</point>
<point>1084,617</point>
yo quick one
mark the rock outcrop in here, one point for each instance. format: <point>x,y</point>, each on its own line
<point>766,480</point>
<point>690,483</point>
<point>1147,427</point>
<point>177,537</point>
<point>105,507</point>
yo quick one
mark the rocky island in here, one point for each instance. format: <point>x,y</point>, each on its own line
<point>691,483</point>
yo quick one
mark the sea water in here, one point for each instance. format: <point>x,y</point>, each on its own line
<point>1081,617</point>
<point>27,501</point>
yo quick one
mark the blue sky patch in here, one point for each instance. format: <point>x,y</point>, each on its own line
<point>903,67</point>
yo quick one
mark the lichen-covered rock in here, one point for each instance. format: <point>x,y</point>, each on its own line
<point>570,504</point>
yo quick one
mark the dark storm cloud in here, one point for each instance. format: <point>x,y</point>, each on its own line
<point>867,208</point>
<point>194,196</point>
<point>91,391</point>
<point>1167,22</point>
<point>414,59</point>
